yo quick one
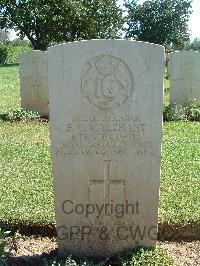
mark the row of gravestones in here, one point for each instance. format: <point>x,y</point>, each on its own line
<point>105,103</point>
<point>183,67</point>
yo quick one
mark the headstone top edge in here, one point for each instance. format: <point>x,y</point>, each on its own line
<point>82,42</point>
<point>32,52</point>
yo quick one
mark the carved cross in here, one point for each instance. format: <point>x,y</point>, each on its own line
<point>106,180</point>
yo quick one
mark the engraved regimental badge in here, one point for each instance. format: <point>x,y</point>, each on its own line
<point>106,82</point>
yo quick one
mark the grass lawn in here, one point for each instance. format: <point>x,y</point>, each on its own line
<point>26,190</point>
<point>25,167</point>
<point>9,87</point>
<point>180,178</point>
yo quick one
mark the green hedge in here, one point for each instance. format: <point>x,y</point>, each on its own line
<point>10,53</point>
<point>3,54</point>
<point>13,52</point>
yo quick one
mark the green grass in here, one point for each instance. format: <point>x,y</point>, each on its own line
<point>180,179</point>
<point>146,257</point>
<point>25,167</point>
<point>25,171</point>
<point>9,88</point>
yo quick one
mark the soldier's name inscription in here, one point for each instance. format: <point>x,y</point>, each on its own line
<point>90,134</point>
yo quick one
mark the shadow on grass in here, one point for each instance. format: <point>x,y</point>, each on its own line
<point>9,65</point>
<point>166,232</point>
<point>49,259</point>
<point>3,117</point>
<point>35,260</point>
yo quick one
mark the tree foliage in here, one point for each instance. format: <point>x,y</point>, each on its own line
<point>46,21</point>
<point>163,22</point>
<point>195,45</point>
<point>20,42</point>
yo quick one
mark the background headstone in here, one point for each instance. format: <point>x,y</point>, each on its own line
<point>106,120</point>
<point>34,82</point>
<point>184,69</point>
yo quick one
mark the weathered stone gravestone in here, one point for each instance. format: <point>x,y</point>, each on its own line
<point>34,82</point>
<point>184,69</point>
<point>106,120</point>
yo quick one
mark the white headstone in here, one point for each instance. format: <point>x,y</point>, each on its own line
<point>106,120</point>
<point>184,69</point>
<point>34,82</point>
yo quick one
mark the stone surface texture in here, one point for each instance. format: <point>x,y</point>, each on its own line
<point>184,69</point>
<point>34,81</point>
<point>106,129</point>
